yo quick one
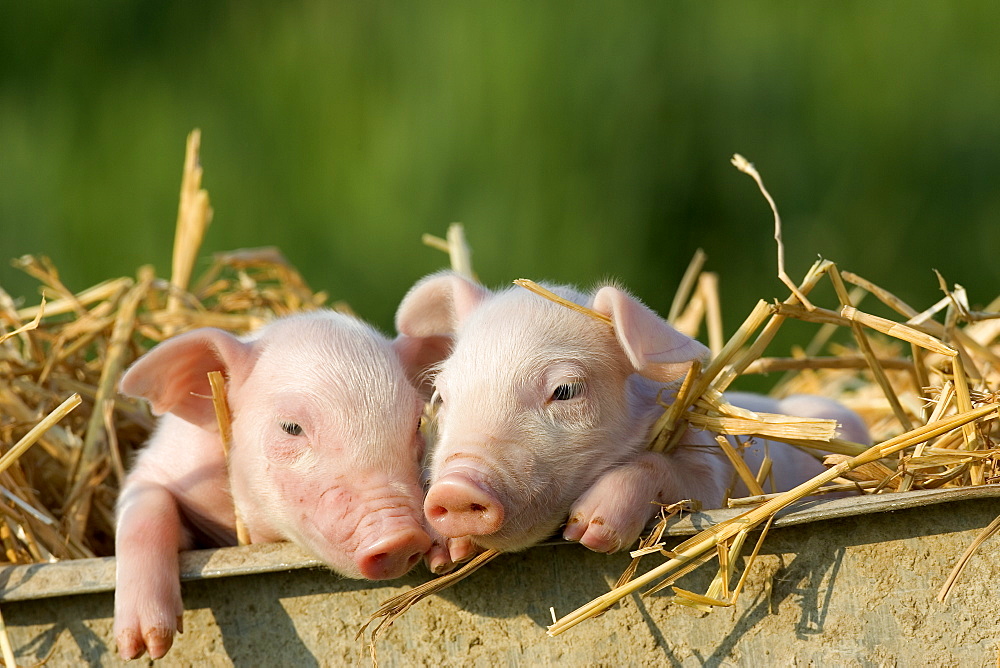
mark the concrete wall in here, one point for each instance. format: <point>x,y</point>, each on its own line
<point>855,591</point>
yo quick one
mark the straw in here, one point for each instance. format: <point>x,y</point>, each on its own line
<point>222,416</point>
<point>7,649</point>
<point>36,432</point>
<point>121,335</point>
<point>772,364</point>
<point>983,536</point>
<point>193,217</point>
<point>706,540</point>
<point>457,248</point>
<point>573,306</point>
<point>664,426</point>
<point>396,606</point>
<point>747,167</point>
<point>26,327</point>
<point>742,470</point>
<point>708,287</point>
<point>866,349</point>
<point>686,285</point>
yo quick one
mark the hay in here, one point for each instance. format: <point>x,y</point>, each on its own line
<point>69,352</point>
<point>721,536</point>
<point>926,384</point>
<point>946,446</point>
<point>223,418</point>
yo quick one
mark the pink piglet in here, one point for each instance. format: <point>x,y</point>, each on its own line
<point>544,416</point>
<point>326,453</point>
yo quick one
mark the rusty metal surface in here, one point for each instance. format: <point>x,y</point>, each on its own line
<point>858,590</point>
<point>87,576</point>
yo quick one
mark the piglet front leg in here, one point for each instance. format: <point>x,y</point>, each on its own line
<point>612,513</point>
<point>148,605</point>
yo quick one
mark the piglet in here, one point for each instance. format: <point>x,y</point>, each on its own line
<point>544,415</point>
<point>326,453</point>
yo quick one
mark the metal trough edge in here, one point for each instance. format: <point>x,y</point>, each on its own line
<point>88,576</point>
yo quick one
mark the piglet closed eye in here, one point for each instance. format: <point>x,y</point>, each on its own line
<point>326,453</point>
<point>544,416</point>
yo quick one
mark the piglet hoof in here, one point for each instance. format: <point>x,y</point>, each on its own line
<point>600,538</point>
<point>130,644</point>
<point>148,612</point>
<point>134,641</point>
<point>438,559</point>
<point>593,534</point>
<point>447,553</point>
<point>462,549</point>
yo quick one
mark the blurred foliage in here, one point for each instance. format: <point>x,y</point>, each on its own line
<point>575,140</point>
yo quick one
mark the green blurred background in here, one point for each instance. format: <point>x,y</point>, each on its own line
<point>575,140</point>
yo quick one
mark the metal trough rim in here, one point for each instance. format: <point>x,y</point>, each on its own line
<point>89,576</point>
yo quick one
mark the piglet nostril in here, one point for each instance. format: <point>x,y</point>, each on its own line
<point>435,512</point>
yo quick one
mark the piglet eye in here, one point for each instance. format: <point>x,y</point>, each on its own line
<point>567,391</point>
<point>291,428</point>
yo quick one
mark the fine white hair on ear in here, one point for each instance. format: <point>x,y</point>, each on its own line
<point>173,376</point>
<point>438,304</point>
<point>655,348</point>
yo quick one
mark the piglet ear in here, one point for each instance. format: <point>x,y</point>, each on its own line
<point>437,304</point>
<point>427,319</point>
<point>418,355</point>
<point>173,376</point>
<point>655,348</point>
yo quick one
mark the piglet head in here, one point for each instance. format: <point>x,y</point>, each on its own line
<point>535,401</point>
<point>326,450</point>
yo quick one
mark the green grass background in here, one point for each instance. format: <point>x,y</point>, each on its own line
<point>575,140</point>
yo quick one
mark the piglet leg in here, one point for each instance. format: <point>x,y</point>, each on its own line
<point>148,605</point>
<point>611,515</point>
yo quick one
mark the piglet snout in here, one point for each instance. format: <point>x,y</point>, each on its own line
<point>394,555</point>
<point>457,506</point>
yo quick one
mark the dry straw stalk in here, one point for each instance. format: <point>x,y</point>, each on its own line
<point>224,420</point>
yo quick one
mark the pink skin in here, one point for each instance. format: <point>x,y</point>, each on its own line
<point>326,453</point>
<point>544,413</point>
